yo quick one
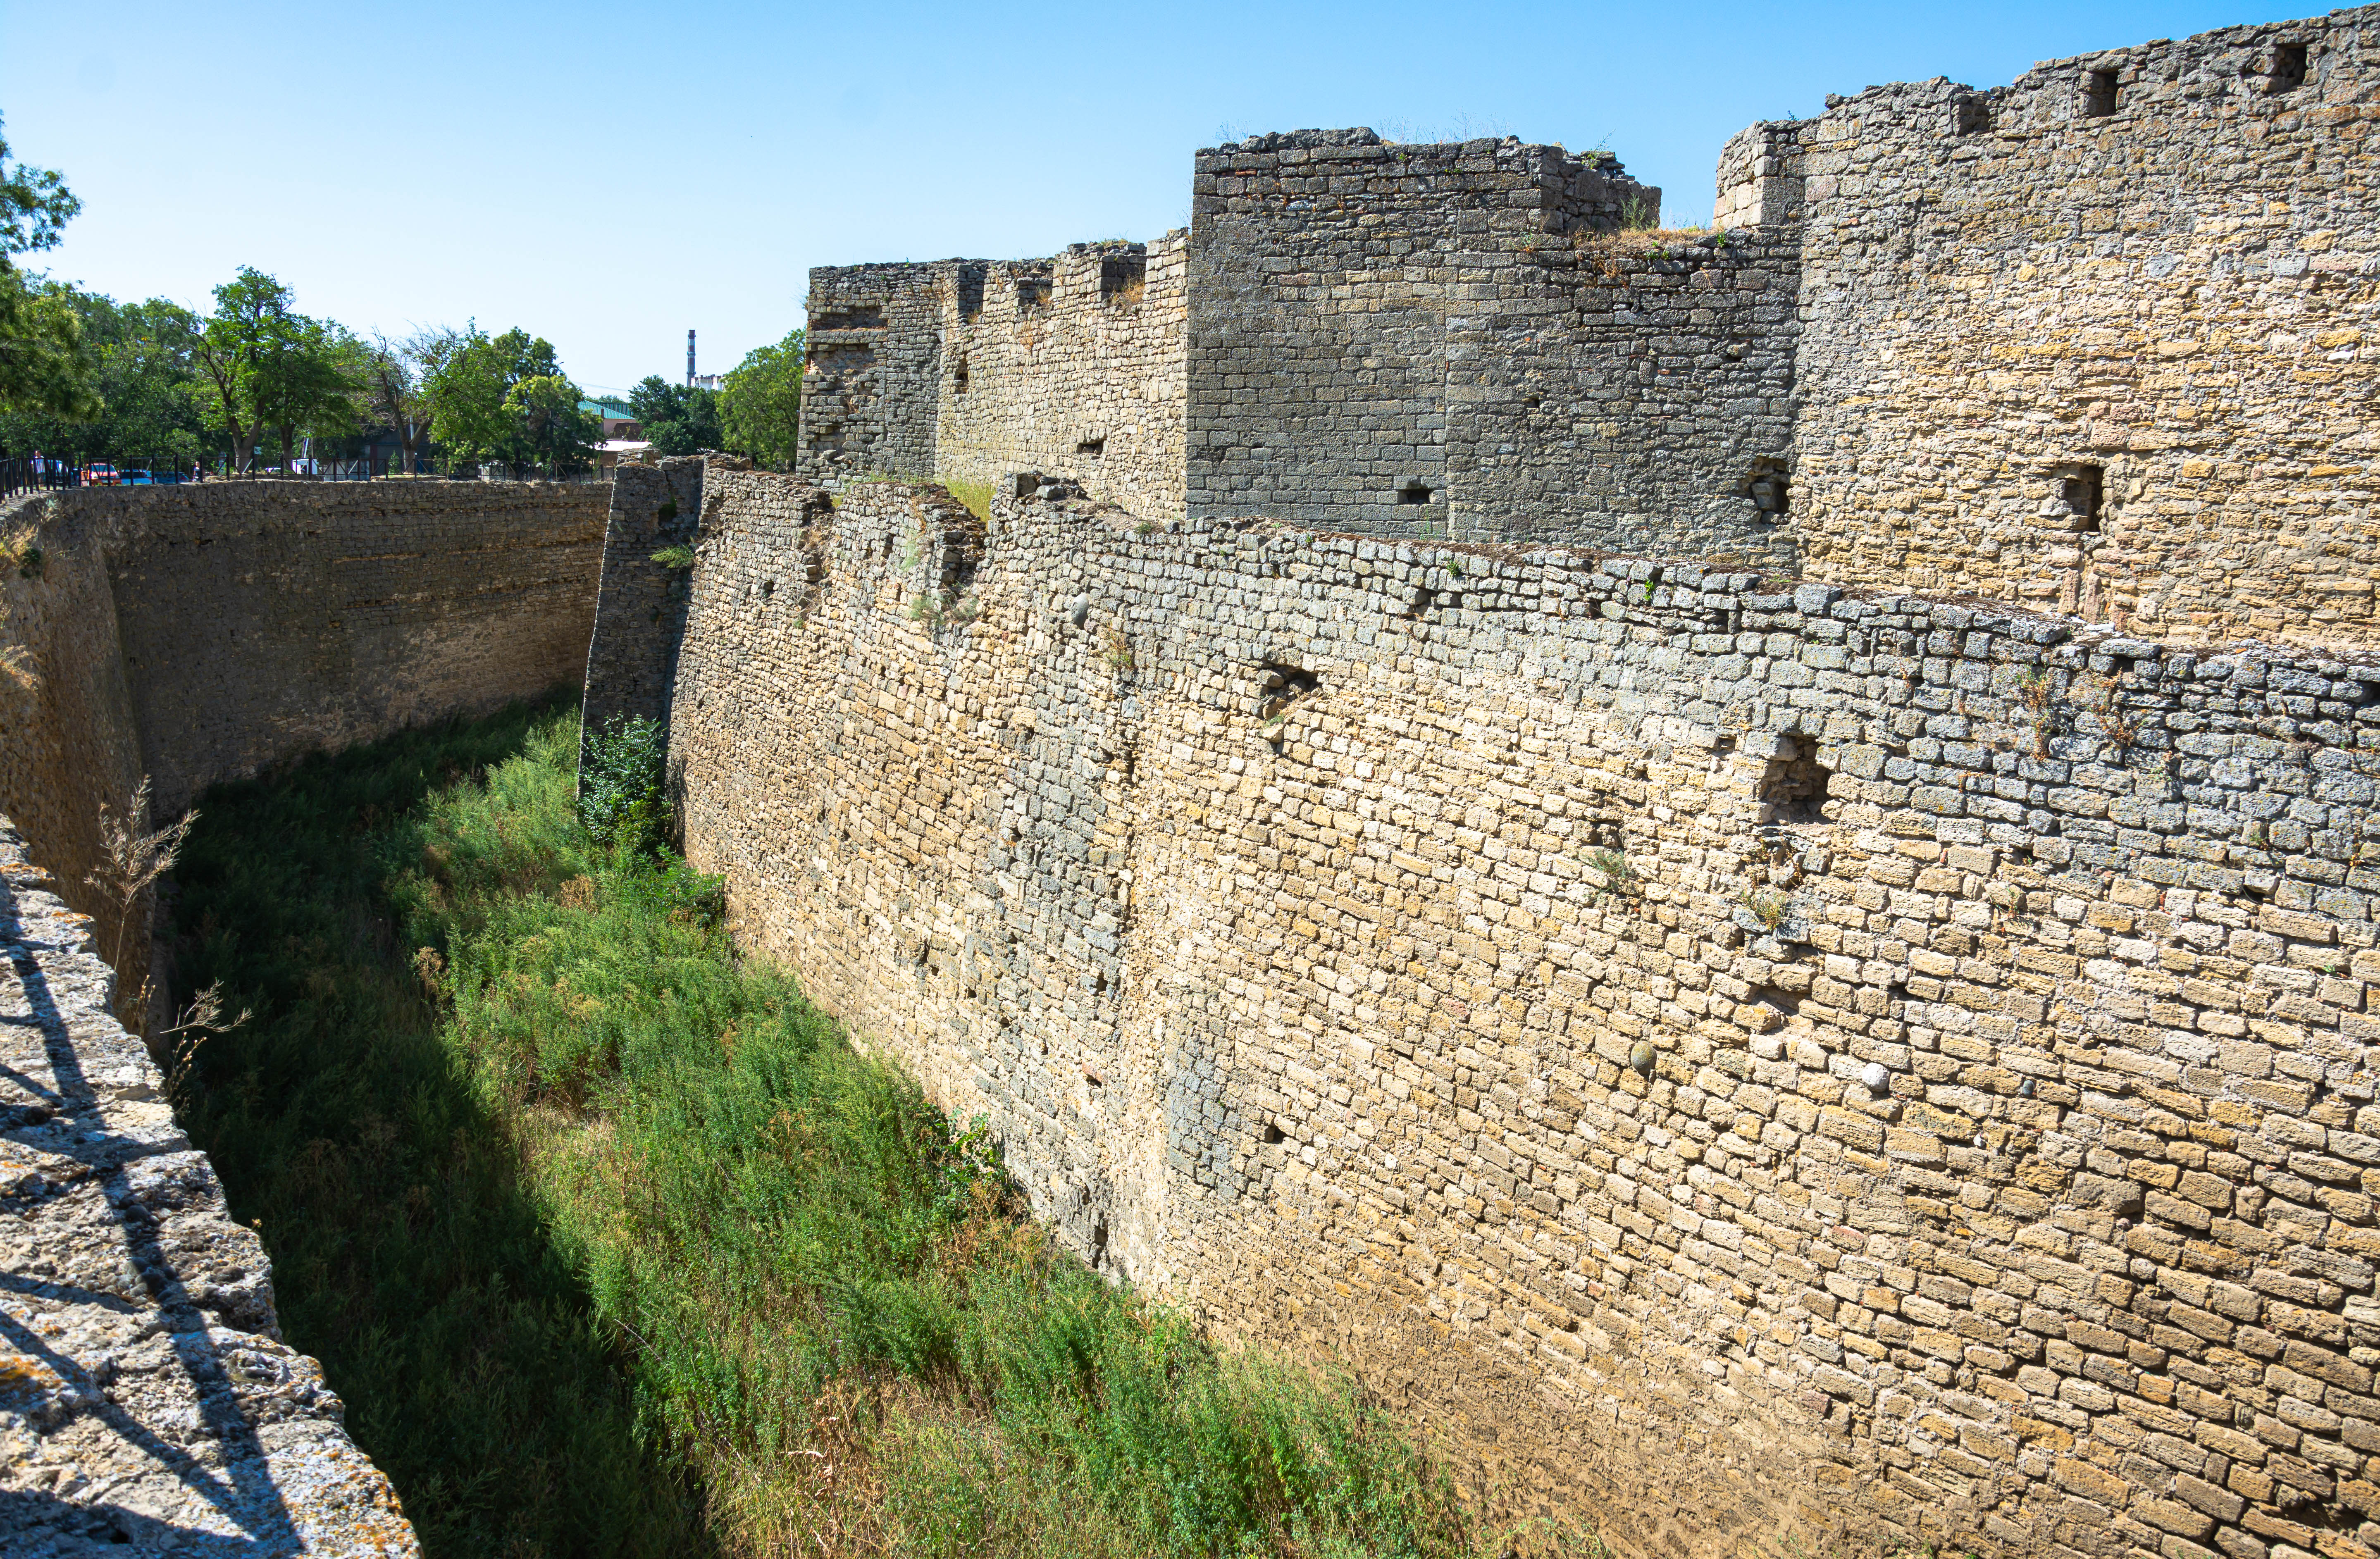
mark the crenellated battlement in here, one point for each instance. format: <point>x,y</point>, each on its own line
<point>2093,343</point>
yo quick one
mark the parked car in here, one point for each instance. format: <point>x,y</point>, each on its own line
<point>136,479</point>
<point>101,475</point>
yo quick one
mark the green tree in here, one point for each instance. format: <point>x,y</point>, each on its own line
<point>43,365</point>
<point>393,373</point>
<point>311,381</point>
<point>147,407</point>
<point>467,389</point>
<point>678,418</point>
<point>760,405</point>
<point>236,352</point>
<point>559,435</point>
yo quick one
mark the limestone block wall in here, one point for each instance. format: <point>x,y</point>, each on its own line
<point>2099,341</point>
<point>1627,390</point>
<point>1753,1063</point>
<point>205,633</point>
<point>1071,368</point>
<point>871,372</point>
<point>964,369</point>
<point>640,604</point>
<point>1326,267</point>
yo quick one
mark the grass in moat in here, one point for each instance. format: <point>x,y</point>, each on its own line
<point>613,1244</point>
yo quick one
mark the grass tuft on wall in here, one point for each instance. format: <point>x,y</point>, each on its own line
<point>614,1245</point>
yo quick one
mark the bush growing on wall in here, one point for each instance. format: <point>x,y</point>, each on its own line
<point>623,786</point>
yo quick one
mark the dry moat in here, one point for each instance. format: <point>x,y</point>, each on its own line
<point>1731,870</point>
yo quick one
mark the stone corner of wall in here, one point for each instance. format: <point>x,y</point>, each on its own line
<point>147,1399</point>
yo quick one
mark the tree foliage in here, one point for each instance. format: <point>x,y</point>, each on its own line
<point>139,372</point>
<point>760,406</point>
<point>555,432</point>
<point>485,407</point>
<point>35,206</point>
<point>43,367</point>
<point>678,418</point>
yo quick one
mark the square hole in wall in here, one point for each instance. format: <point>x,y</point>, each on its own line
<point>1091,449</point>
<point>959,376</point>
<point>2289,68</point>
<point>1123,277</point>
<point>1969,115</point>
<point>1793,788</point>
<point>2098,94</point>
<point>1413,490</point>
<point>1765,485</point>
<point>2079,488</point>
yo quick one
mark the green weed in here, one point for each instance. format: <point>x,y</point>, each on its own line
<point>614,1245</point>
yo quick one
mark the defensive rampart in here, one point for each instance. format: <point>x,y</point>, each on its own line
<point>968,368</point>
<point>1750,1061</point>
<point>2098,341</point>
<point>2093,343</point>
<point>204,633</point>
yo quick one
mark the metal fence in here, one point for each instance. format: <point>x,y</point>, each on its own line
<point>36,473</point>
<point>33,473</point>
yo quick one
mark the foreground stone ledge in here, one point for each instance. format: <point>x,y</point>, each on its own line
<point>148,1404</point>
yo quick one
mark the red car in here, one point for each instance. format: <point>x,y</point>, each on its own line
<point>101,475</point>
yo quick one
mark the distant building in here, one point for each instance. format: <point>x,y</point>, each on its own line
<point>619,419</point>
<point>623,434</point>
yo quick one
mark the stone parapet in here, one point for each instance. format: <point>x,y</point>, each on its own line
<point>148,1404</point>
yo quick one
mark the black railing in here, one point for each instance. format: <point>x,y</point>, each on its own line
<point>36,473</point>
<point>33,472</point>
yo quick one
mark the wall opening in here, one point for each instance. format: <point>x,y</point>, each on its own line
<point>959,376</point>
<point>1969,115</point>
<point>2288,68</point>
<point>1281,686</point>
<point>1767,487</point>
<point>1272,1133</point>
<point>866,318</point>
<point>1793,789</point>
<point>1032,292</point>
<point>970,293</point>
<point>2098,94</point>
<point>1414,491</point>
<point>1123,277</point>
<point>1091,449</point>
<point>2078,489</point>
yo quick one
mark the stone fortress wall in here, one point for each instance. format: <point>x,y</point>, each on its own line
<point>206,632</point>
<point>2098,341</point>
<point>965,369</point>
<point>1753,1062</point>
<point>2010,343</point>
<point>194,634</point>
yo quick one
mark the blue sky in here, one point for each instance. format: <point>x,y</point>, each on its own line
<point>608,176</point>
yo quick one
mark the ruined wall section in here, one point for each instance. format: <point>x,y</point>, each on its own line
<point>872,370</point>
<point>1071,368</point>
<point>1627,390</point>
<point>2100,340</point>
<point>1759,1063</point>
<point>205,633</point>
